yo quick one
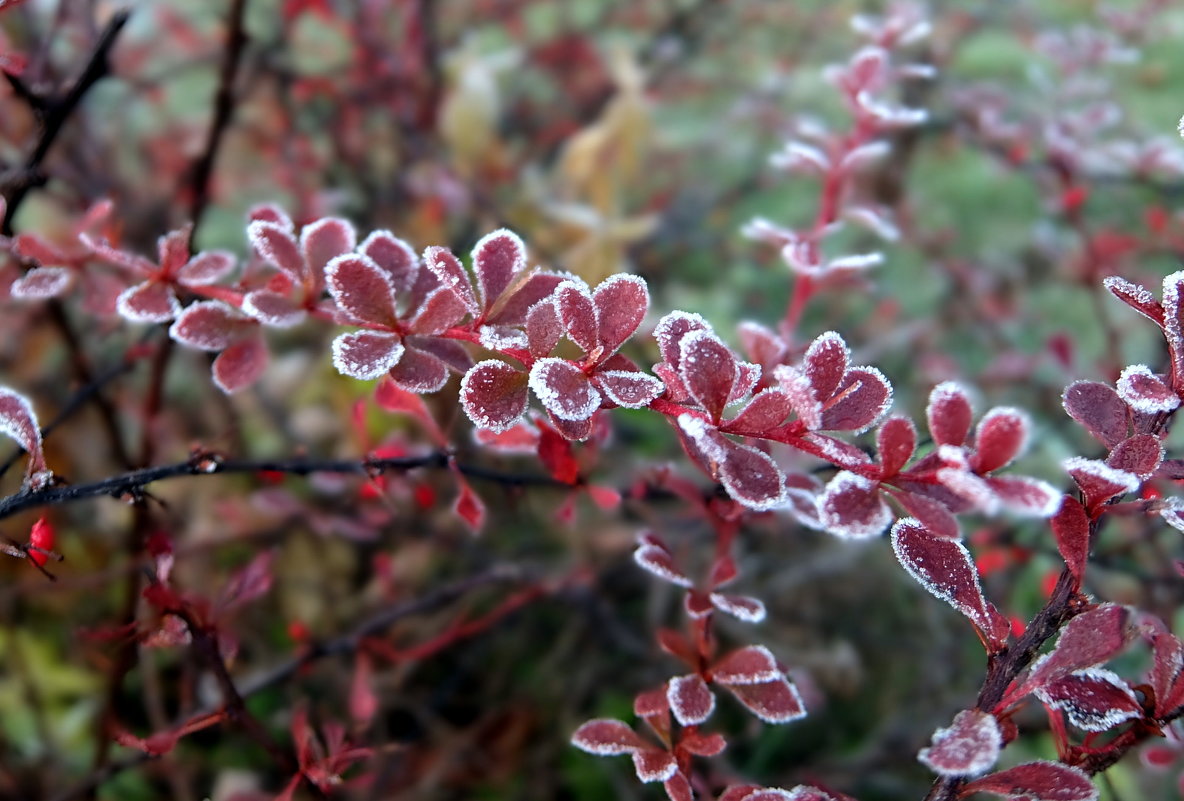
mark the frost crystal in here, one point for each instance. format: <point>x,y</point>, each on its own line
<point>969,746</point>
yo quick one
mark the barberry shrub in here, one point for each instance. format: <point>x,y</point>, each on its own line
<point>408,457</point>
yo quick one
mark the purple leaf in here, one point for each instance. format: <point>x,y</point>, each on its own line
<point>753,664</point>
<point>149,302</point>
<point>493,395</point>
<point>394,257</point>
<point>708,370</point>
<point>896,440</point>
<point>324,240</point>
<point>670,331</point>
<point>497,257</point>
<point>450,273</point>
<point>796,386</point>
<point>775,701</point>
<point>564,389</point>
<point>1099,409</point>
<point>933,515</point>
<point>1001,435</point>
<point>862,398</point>
<point>211,325</point>
<point>970,488</point>
<point>440,310</point>
<point>949,414</point>
<point>621,303</point>
<point>825,364</point>
<point>543,329</point>
<point>419,372</point>
<point>1070,525</point>
<point>240,365</point>
<point>629,389</point>
<point>1135,296</point>
<point>276,244</point>
<point>751,477</point>
<point>760,344</point>
<point>362,290</point>
<point>1088,640</point>
<point>767,410</point>
<point>1099,482</point>
<point>272,309</point>
<point>851,507</point>
<point>577,313</point>
<point>1026,496</point>
<point>1036,781</point>
<point>525,292</point>
<point>1167,672</point>
<point>1140,455</point>
<point>656,559</point>
<point>606,737</point>
<point>366,355</point>
<point>690,700</point>
<point>945,568</point>
<point>968,747</point>
<point>18,421</point>
<point>1144,392</point>
<point>1094,699</point>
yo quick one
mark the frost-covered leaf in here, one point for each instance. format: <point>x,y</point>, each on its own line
<point>1025,496</point>
<point>753,664</point>
<point>206,268</point>
<point>1135,296</point>
<point>273,309</point>
<point>1070,525</point>
<point>751,477</point>
<point>1099,409</point>
<point>1099,482</point>
<point>1037,781</point>
<point>651,703</point>
<point>776,701</point>
<point>1001,435</point>
<point>469,507</point>
<point>704,745</point>
<point>621,302</point>
<point>543,329</point>
<point>366,355</point>
<point>967,747</point>
<point>767,410</point>
<point>896,440</point>
<point>949,414</point>
<point>394,257</point>
<point>606,737</point>
<point>862,398</point>
<point>1088,640</point>
<point>690,700</point>
<point>629,389</point>
<point>211,325</point>
<point>564,389</point>
<point>149,302</point>
<point>523,294</point>
<point>797,388</point>
<point>418,371</point>
<point>851,507</point>
<point>1094,699</point>
<point>933,515</point>
<point>275,243</point>
<point>363,291</point>
<point>497,257</point>
<point>1140,455</point>
<point>741,607</point>
<point>40,283</point>
<point>577,313</point>
<point>708,370</point>
<point>323,240</point>
<point>825,363</point>
<point>656,559</point>
<point>494,395</point>
<point>240,365</point>
<point>17,420</point>
<point>670,331</point>
<point>973,489</point>
<point>1167,672</point>
<point>451,275</point>
<point>440,310</point>
<point>654,766</point>
<point>943,567</point>
<point>761,344</point>
<point>1144,392</point>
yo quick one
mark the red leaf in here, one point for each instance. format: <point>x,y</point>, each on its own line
<point>621,302</point>
<point>1144,392</point>
<point>18,421</point>
<point>324,240</point>
<point>394,257</point>
<point>606,737</point>
<point>949,414</point>
<point>149,302</point>
<point>1167,672</point>
<point>708,369</point>
<point>752,478</point>
<point>493,395</point>
<point>564,389</point>
<point>1026,496</point>
<point>968,747</point>
<point>1036,781</point>
<point>862,398</point>
<point>275,243</point>
<point>451,275</point>
<point>742,607</point>
<point>767,410</point>
<point>497,257</point>
<point>753,664</point>
<point>41,536</point>
<point>248,584</point>
<point>775,701</point>
<point>577,312</point>
<point>469,507</point>
<point>273,309</point>
<point>206,268</point>
<point>704,745</point>
<point>825,364</point>
<point>1088,640</point>
<point>761,345</point>
<point>441,309</point>
<point>555,453</point>
<point>1094,699</point>
<point>420,372</point>
<point>657,560</point>
<point>362,290</point>
<point>525,293</point>
<point>678,788</point>
<point>363,703</point>
<point>210,325</point>
<point>1135,296</point>
<point>670,331</point>
<point>1001,435</point>
<point>945,568</point>
<point>366,355</point>
<point>896,440</point>
<point>851,507</point>
<point>1070,525</point>
<point>1099,409</point>
<point>40,283</point>
<point>654,766</point>
<point>629,389</point>
<point>931,513</point>
<point>690,699</point>
<point>1140,454</point>
<point>651,703</point>
<point>543,329</point>
<point>240,365</point>
<point>1099,482</point>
